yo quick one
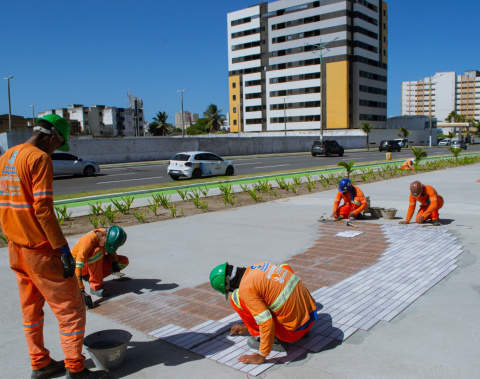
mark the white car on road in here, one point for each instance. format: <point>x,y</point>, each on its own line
<point>195,164</point>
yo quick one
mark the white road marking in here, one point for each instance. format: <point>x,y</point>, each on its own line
<point>129,180</point>
<point>243,164</point>
<point>278,165</point>
<point>128,173</point>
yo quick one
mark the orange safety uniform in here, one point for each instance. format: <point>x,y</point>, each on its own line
<point>357,206</point>
<point>94,260</point>
<point>430,202</point>
<point>28,220</point>
<point>273,302</point>
<point>408,165</point>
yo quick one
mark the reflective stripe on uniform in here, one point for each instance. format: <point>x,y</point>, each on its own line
<point>16,205</point>
<point>69,334</point>
<point>262,317</point>
<point>96,257</point>
<point>122,265</point>
<point>43,194</point>
<point>285,294</point>
<point>356,202</point>
<point>80,265</point>
<point>35,324</point>
<point>236,299</point>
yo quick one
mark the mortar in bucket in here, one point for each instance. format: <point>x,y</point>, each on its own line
<point>107,348</point>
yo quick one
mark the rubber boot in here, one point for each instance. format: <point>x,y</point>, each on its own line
<point>87,374</point>
<point>100,292</point>
<point>52,368</point>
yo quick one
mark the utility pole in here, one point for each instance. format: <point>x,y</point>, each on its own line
<point>9,104</point>
<point>319,51</point>
<point>285,115</point>
<point>33,115</point>
<point>183,118</point>
<point>238,118</point>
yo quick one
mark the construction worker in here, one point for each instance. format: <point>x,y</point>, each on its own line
<point>430,202</point>
<point>96,257</point>
<point>408,164</point>
<point>38,251</point>
<point>354,201</point>
<point>274,305</point>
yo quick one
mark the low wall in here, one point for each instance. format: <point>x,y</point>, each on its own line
<point>131,149</point>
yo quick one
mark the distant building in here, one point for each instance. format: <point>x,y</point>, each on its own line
<point>19,123</point>
<point>190,119</point>
<point>441,94</point>
<point>276,72</point>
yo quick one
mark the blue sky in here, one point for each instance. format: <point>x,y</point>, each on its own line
<point>92,52</point>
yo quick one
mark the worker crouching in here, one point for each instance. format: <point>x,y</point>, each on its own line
<point>274,305</point>
<point>354,202</point>
<point>409,164</point>
<point>430,203</point>
<point>96,258</point>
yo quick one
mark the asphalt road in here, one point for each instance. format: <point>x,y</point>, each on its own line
<point>128,175</point>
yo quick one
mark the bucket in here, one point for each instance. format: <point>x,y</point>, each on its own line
<point>376,212</point>
<point>107,347</point>
<point>389,213</point>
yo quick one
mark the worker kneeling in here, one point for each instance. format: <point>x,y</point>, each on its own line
<point>96,258</point>
<point>408,164</point>
<point>430,202</point>
<point>354,201</point>
<point>274,305</point>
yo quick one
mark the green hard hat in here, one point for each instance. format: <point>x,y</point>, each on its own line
<point>217,277</point>
<point>116,237</point>
<point>61,125</point>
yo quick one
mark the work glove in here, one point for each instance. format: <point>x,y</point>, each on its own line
<point>115,267</point>
<point>88,300</point>
<point>68,262</point>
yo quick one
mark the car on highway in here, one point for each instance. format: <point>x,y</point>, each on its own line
<point>445,142</point>
<point>327,148</point>
<point>458,144</point>
<point>196,164</point>
<point>403,142</point>
<point>69,164</point>
<point>389,145</point>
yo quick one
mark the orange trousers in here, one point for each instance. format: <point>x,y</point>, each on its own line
<point>280,332</point>
<point>39,278</point>
<point>100,269</point>
<point>345,209</point>
<point>434,215</point>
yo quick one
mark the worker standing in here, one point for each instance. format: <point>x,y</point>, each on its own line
<point>38,251</point>
<point>409,164</point>
<point>96,258</point>
<point>274,305</point>
<point>430,202</point>
<point>354,202</point>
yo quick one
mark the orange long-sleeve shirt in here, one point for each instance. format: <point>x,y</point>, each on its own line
<point>359,200</point>
<point>267,289</point>
<point>428,197</point>
<point>27,214</point>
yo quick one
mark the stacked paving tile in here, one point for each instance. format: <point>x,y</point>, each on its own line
<point>356,283</point>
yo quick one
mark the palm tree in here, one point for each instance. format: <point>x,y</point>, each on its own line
<point>403,133</point>
<point>367,128</point>
<point>162,128</point>
<point>348,167</point>
<point>456,117</point>
<point>419,154</point>
<point>214,118</point>
<point>455,151</point>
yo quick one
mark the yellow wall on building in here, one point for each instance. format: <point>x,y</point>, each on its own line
<point>337,95</point>
<point>234,96</point>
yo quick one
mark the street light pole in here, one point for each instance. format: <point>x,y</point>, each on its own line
<point>33,115</point>
<point>183,119</point>
<point>9,104</point>
<point>238,118</point>
<point>319,50</point>
<point>143,116</point>
<point>285,115</point>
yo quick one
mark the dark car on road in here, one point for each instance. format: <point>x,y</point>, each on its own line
<point>327,148</point>
<point>389,145</point>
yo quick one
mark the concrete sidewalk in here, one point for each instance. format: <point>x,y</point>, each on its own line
<point>436,336</point>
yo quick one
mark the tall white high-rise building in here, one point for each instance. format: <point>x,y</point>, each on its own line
<point>442,93</point>
<point>279,79</point>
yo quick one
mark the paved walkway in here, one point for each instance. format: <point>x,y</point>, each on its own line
<point>380,316</point>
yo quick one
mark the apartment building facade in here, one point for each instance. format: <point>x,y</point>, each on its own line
<point>279,79</point>
<point>442,93</point>
<point>190,119</point>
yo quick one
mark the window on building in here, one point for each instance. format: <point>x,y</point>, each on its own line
<point>234,110</point>
<point>234,85</point>
<point>234,122</point>
<point>234,97</point>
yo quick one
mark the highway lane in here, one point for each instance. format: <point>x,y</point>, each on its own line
<point>129,175</point>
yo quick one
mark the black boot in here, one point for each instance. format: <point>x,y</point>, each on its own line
<point>87,374</point>
<point>52,368</point>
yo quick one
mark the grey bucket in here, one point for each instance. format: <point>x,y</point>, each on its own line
<point>107,348</point>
